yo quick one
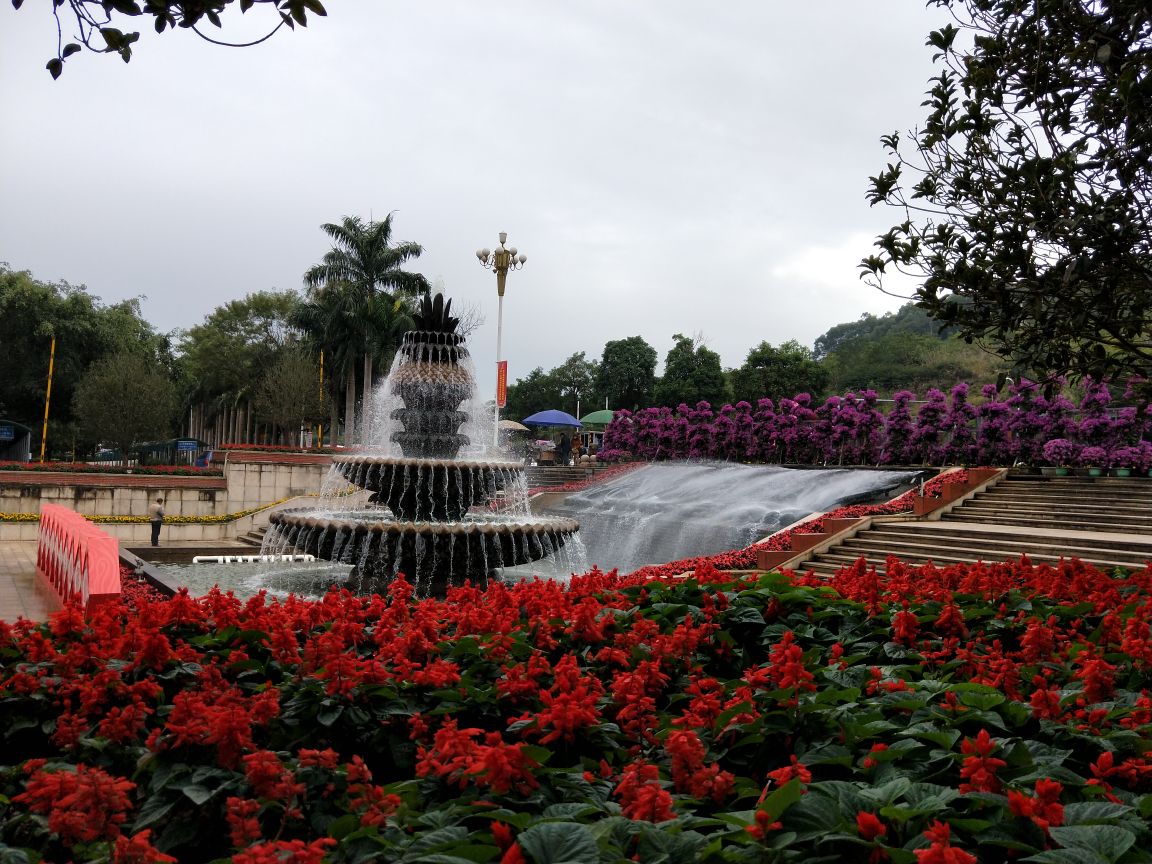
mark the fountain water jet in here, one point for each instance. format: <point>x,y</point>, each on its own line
<point>421,519</point>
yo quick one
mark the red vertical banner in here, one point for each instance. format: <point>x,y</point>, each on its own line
<point>501,383</point>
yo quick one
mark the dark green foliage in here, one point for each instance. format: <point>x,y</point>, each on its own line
<point>31,313</point>
<point>778,372</point>
<point>91,22</point>
<point>692,374</point>
<point>1025,193</point>
<point>627,373</point>
<point>124,399</point>
<point>908,319</point>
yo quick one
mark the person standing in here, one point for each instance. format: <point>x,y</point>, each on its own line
<point>563,449</point>
<point>156,517</point>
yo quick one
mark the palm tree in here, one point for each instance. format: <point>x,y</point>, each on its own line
<point>330,324</point>
<point>365,261</point>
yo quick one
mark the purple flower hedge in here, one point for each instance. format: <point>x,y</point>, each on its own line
<point>860,429</point>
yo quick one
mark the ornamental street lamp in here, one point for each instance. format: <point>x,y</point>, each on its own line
<point>501,261</point>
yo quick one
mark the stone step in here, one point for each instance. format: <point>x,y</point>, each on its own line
<point>976,533</point>
<point>1106,522</point>
<point>1139,492</point>
<point>1048,520</point>
<point>1135,515</point>
<point>829,562</point>
<point>253,538</point>
<point>1005,549</point>
<point>1083,497</point>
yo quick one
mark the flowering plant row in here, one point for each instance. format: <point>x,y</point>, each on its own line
<point>974,713</point>
<point>853,429</point>
<point>86,468</point>
<point>139,520</point>
<point>279,448</point>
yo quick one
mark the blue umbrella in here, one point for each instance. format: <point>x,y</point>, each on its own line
<point>552,417</point>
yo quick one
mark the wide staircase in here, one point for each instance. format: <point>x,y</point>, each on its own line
<point>1104,521</point>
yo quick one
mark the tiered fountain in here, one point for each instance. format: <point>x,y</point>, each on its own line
<point>432,516</point>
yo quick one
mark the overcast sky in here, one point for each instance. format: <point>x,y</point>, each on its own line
<point>667,166</point>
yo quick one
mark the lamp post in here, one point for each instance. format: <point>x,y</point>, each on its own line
<point>503,259</point>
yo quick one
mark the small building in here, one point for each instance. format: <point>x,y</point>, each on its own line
<point>15,442</point>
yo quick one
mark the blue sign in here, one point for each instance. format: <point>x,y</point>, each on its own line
<point>184,444</point>
<point>7,432</point>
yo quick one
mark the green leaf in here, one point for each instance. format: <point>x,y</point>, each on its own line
<point>1093,812</point>
<point>554,842</point>
<point>1108,841</point>
<point>1067,856</point>
<point>329,714</point>
<point>55,66</point>
<point>197,794</point>
<point>70,49</point>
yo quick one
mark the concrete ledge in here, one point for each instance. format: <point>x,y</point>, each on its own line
<point>805,546</point>
<point>953,494</point>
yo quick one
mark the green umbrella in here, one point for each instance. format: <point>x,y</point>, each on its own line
<point>598,418</point>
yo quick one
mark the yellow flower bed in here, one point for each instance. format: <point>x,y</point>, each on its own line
<point>141,520</point>
<point>19,517</point>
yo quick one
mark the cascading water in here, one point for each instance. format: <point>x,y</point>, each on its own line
<point>441,508</point>
<point>668,511</point>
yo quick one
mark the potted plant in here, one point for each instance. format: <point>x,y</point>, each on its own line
<point>1062,454</point>
<point>1123,460</point>
<point>1132,458</point>
<point>1095,459</point>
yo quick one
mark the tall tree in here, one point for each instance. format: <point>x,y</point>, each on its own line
<point>1025,195</point>
<point>536,391</point>
<point>366,263</point>
<point>31,314</point>
<point>331,328</point>
<point>288,395</point>
<point>627,373</point>
<point>124,399</point>
<point>224,357</point>
<point>692,373</point>
<point>576,380</point>
<point>778,372</point>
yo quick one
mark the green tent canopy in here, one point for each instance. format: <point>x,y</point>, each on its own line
<point>598,418</point>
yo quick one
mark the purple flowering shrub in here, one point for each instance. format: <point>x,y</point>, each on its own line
<point>1061,451</point>
<point>852,429</point>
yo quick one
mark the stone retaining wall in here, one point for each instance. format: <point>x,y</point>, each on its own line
<point>251,480</point>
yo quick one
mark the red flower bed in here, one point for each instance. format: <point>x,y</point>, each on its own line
<point>989,713</point>
<point>281,448</point>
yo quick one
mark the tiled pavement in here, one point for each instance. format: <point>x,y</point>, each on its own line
<point>22,594</point>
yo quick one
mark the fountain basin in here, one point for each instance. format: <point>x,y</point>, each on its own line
<point>429,554</point>
<point>426,489</point>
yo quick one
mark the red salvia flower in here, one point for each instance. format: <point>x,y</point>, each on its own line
<point>82,807</point>
<point>869,826</point>
<point>942,851</point>
<point>641,795</point>
<point>138,850</point>
<point>980,766</point>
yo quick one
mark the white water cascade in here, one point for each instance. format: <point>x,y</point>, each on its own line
<point>668,511</point>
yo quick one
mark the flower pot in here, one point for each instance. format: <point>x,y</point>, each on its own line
<point>1054,471</point>
<point>1121,472</point>
<point>1095,472</point>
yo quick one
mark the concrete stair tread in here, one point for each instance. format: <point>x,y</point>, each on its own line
<point>1038,522</point>
<point>842,560</point>
<point>1004,551</point>
<point>1105,522</point>
<point>1081,540</point>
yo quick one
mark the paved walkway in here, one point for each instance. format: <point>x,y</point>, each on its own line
<point>22,595</point>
